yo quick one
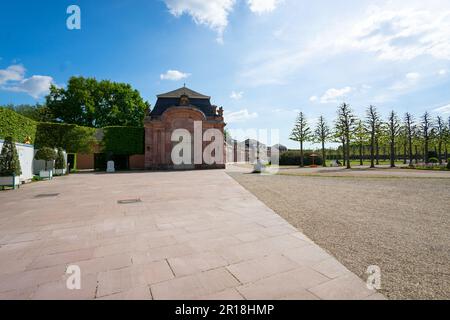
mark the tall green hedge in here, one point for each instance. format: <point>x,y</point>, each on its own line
<point>70,137</point>
<point>123,140</point>
<point>292,158</point>
<point>18,127</point>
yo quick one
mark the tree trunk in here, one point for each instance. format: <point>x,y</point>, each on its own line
<point>348,150</point>
<point>361,150</point>
<point>440,152</point>
<point>405,161</point>
<point>343,154</point>
<point>392,153</point>
<point>302,162</point>
<point>372,150</point>
<point>410,151</point>
<point>324,156</point>
<point>417,154</point>
<point>425,156</point>
<point>377,146</point>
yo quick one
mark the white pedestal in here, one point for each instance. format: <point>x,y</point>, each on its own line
<point>110,167</point>
<point>46,174</point>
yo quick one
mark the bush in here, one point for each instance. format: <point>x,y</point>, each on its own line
<point>292,158</point>
<point>46,154</point>
<point>448,164</point>
<point>20,128</point>
<point>9,159</point>
<point>433,160</point>
<point>70,137</point>
<point>60,162</point>
<point>123,140</point>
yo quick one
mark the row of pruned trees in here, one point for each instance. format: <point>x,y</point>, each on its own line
<point>409,136</point>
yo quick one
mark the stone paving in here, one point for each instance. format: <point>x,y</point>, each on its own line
<point>193,235</point>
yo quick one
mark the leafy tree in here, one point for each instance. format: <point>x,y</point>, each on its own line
<point>60,162</point>
<point>409,129</point>
<point>361,139</point>
<point>345,123</point>
<point>36,112</point>
<point>301,134</point>
<point>440,131</point>
<point>393,131</point>
<point>322,134</point>
<point>9,159</point>
<point>447,139</point>
<point>425,128</point>
<point>88,102</point>
<point>372,122</point>
<point>46,154</point>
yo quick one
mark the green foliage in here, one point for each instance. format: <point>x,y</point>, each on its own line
<point>46,154</point>
<point>36,112</point>
<point>293,158</point>
<point>9,159</point>
<point>72,138</point>
<point>18,127</point>
<point>88,102</point>
<point>433,160</point>
<point>60,162</point>
<point>124,140</point>
<point>301,132</point>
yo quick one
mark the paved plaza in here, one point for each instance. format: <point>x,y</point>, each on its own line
<point>161,235</point>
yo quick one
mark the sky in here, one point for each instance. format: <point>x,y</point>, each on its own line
<point>262,60</point>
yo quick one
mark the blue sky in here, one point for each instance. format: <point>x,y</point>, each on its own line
<point>262,60</point>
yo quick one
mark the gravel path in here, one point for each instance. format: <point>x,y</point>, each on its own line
<point>400,224</point>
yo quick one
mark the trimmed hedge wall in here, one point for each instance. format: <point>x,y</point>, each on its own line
<point>70,137</point>
<point>16,126</point>
<point>292,158</point>
<point>123,140</point>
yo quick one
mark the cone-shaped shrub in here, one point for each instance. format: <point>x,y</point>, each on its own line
<point>46,154</point>
<point>9,159</point>
<point>60,162</point>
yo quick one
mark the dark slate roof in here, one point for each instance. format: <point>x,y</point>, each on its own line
<point>172,99</point>
<point>183,91</point>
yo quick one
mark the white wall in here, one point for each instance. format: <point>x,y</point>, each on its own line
<point>26,156</point>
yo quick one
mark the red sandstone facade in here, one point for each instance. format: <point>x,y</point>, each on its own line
<point>179,109</point>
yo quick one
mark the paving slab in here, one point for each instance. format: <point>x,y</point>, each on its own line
<point>193,235</point>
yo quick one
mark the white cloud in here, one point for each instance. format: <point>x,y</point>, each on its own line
<point>12,73</point>
<point>240,116</point>
<point>335,95</point>
<point>404,32</point>
<point>212,13</point>
<point>237,95</point>
<point>313,99</point>
<point>36,86</point>
<point>442,72</point>
<point>13,79</point>
<point>392,30</point>
<point>413,76</point>
<point>262,6</point>
<point>174,75</point>
<point>410,80</point>
<point>444,109</point>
